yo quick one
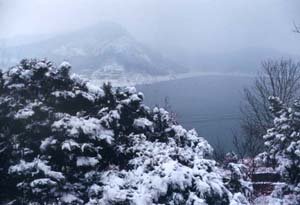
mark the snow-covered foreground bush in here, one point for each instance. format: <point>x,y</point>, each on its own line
<point>64,141</point>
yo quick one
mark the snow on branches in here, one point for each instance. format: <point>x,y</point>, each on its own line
<point>65,141</point>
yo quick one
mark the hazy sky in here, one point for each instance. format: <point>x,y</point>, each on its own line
<point>182,25</point>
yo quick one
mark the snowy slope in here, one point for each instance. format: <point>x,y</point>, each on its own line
<point>105,50</point>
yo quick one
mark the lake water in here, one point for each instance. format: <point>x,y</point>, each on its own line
<point>210,104</point>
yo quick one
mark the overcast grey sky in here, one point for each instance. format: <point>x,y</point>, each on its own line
<point>186,25</point>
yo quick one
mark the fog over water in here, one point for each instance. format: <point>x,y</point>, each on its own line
<point>178,29</point>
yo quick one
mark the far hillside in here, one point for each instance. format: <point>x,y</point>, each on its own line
<point>102,51</point>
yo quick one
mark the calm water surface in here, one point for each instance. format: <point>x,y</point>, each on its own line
<point>210,104</point>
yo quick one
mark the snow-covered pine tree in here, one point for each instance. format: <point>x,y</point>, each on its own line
<point>65,141</point>
<point>283,144</point>
<point>283,140</point>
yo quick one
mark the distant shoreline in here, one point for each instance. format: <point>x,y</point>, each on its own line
<point>139,79</point>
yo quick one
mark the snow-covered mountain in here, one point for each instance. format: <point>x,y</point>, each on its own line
<point>105,50</point>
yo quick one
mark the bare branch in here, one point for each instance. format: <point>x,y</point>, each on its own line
<point>296,28</point>
<point>277,78</point>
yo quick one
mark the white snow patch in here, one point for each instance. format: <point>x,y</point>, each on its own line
<point>91,126</point>
<point>86,161</point>
<point>142,123</point>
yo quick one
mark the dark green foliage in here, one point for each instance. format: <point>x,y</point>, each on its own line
<point>283,140</point>
<point>64,141</point>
